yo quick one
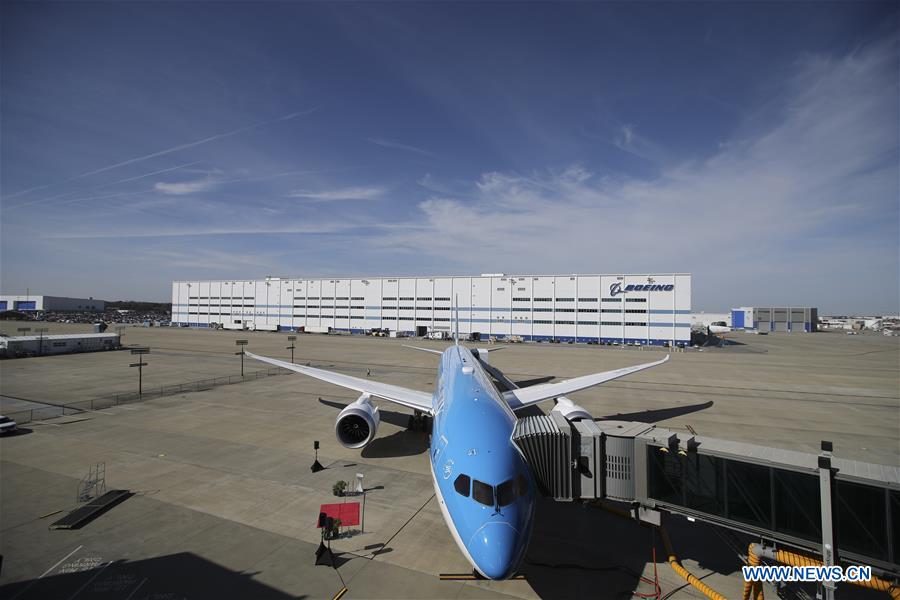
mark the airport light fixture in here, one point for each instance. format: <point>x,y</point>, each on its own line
<point>41,331</point>
<point>241,343</point>
<point>316,466</point>
<point>140,352</point>
<point>291,339</point>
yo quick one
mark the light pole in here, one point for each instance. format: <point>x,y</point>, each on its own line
<point>291,339</point>
<point>241,343</point>
<point>316,466</point>
<point>140,364</point>
<point>41,331</point>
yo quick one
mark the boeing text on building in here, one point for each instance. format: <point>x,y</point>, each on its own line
<point>640,309</point>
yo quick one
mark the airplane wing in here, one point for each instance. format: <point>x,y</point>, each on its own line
<point>403,396</point>
<point>431,350</point>
<point>521,397</point>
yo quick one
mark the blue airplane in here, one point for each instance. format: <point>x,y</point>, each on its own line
<point>483,484</point>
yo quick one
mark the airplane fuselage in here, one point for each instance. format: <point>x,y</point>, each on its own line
<point>483,485</point>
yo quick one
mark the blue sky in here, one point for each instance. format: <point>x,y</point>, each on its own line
<point>754,145</point>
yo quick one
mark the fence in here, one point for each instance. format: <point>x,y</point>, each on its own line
<point>50,411</point>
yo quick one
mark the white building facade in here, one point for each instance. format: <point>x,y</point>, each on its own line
<point>639,309</point>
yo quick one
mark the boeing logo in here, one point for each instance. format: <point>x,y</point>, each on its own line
<point>616,288</point>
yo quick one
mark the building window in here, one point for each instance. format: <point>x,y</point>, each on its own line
<point>587,299</point>
<point>565,322</point>
<point>610,322</point>
<point>635,299</point>
<point>538,322</point>
<point>611,310</point>
<point>543,299</point>
<point>587,310</point>
<point>521,299</point>
<point>635,324</point>
<point>587,322</point>
<point>611,300</point>
<point>565,299</point>
<point>636,310</point>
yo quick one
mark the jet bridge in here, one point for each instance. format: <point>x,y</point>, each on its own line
<point>809,501</point>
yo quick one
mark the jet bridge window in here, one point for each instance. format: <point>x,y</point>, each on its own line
<point>483,493</point>
<point>461,485</point>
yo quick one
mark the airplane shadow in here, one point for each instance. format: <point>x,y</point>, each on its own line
<point>575,548</point>
<point>656,415</point>
<point>529,382</point>
<point>399,443</point>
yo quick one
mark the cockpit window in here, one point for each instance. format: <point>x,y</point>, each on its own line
<point>505,494</point>
<point>462,485</point>
<point>483,493</point>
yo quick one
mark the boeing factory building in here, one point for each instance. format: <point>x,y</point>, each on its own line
<point>637,309</point>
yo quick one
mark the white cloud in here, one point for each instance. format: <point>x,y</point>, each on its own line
<point>348,193</point>
<point>815,186</point>
<point>183,188</point>
<point>384,143</point>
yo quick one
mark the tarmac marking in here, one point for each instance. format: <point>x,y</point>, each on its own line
<point>27,587</point>
<point>134,591</point>
<point>340,594</point>
<point>88,582</point>
<point>61,561</point>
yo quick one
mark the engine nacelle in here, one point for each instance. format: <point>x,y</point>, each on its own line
<point>357,423</point>
<point>570,410</point>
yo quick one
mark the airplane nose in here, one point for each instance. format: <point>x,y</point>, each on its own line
<point>494,550</point>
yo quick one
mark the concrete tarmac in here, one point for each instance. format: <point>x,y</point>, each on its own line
<point>225,503</point>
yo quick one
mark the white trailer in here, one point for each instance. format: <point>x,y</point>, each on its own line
<point>34,345</point>
<point>317,329</point>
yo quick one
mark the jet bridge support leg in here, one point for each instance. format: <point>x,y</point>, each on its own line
<point>826,486</point>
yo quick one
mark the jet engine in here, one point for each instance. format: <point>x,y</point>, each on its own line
<point>570,410</point>
<point>357,423</point>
